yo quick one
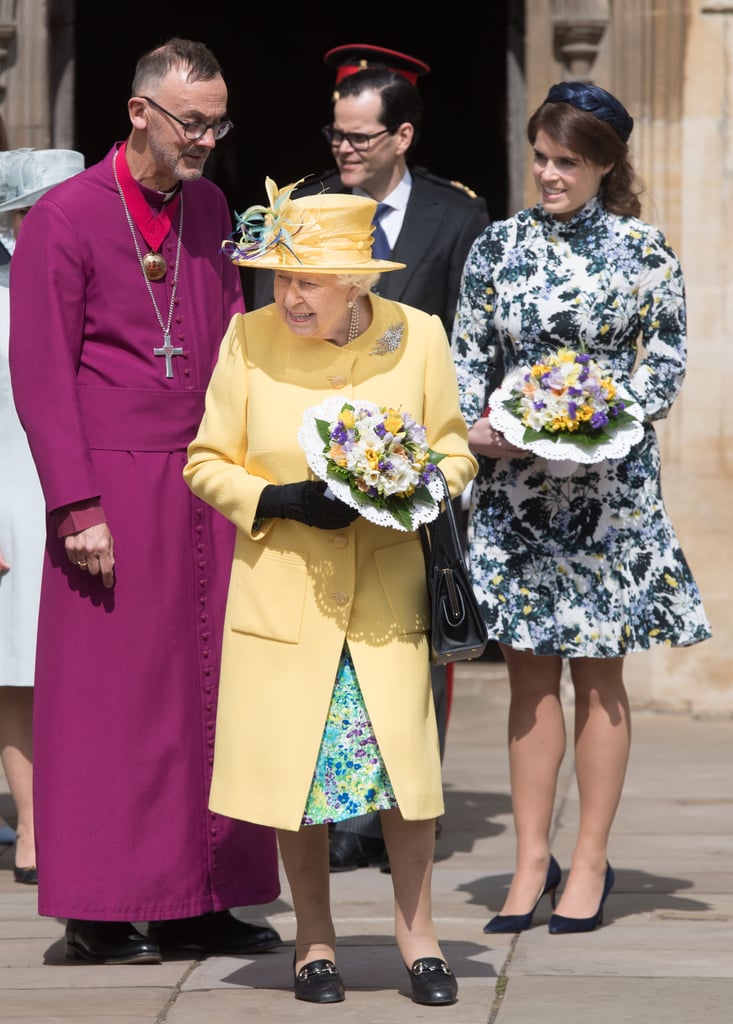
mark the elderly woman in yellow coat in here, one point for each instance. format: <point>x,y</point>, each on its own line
<point>325,705</point>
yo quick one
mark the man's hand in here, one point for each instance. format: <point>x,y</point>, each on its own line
<point>92,551</point>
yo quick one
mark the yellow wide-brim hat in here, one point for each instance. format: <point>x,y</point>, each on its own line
<point>328,233</point>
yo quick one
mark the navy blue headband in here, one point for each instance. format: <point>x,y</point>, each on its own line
<point>594,100</point>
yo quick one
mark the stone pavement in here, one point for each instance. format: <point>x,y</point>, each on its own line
<point>663,956</point>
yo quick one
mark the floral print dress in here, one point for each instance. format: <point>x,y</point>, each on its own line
<point>585,565</point>
<point>350,778</point>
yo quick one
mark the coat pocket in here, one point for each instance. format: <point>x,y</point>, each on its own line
<point>402,574</point>
<point>267,598</point>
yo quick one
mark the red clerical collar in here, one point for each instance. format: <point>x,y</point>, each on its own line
<point>153,225</point>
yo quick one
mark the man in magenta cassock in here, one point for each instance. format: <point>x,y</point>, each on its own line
<point>119,301</point>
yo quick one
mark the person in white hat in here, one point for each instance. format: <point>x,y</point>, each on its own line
<point>25,175</point>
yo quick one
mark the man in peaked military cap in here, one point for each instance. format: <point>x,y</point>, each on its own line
<point>428,223</point>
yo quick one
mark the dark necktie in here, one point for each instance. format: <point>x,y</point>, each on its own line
<point>381,249</point>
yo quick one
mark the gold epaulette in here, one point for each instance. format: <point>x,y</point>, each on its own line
<point>464,188</point>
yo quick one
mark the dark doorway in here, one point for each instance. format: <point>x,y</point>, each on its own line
<point>279,87</point>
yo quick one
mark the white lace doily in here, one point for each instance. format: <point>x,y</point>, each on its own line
<point>624,437</point>
<point>312,444</point>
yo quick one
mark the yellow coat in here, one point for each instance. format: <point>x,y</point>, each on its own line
<point>297,592</point>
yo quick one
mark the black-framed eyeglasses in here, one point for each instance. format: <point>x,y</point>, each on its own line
<point>194,130</point>
<point>357,140</point>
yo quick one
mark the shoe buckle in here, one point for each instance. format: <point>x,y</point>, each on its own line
<point>422,966</point>
<point>307,971</point>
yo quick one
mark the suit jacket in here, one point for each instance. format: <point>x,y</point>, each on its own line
<point>442,220</point>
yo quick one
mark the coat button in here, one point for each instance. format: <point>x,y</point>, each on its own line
<point>338,382</point>
<point>340,540</point>
<point>340,598</point>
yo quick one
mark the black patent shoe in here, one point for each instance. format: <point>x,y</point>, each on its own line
<point>109,942</point>
<point>219,933</point>
<point>348,851</point>
<point>521,922</point>
<point>560,925</point>
<point>319,982</point>
<point>26,876</point>
<point>433,982</point>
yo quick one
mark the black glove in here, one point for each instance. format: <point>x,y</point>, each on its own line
<point>305,502</point>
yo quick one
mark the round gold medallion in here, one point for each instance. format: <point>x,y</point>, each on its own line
<point>154,266</point>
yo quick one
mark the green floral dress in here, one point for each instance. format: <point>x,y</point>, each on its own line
<point>350,777</point>
<point>586,565</point>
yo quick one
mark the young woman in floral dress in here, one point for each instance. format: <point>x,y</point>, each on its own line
<point>583,567</point>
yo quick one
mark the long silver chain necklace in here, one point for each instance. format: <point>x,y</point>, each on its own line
<point>167,349</point>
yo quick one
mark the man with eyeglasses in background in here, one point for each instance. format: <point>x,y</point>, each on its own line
<point>119,301</point>
<point>429,224</point>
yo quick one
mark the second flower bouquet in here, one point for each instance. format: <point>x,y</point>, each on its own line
<point>566,407</point>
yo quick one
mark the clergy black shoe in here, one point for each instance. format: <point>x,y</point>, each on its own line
<point>219,933</point>
<point>433,982</point>
<point>319,982</point>
<point>109,942</point>
<point>348,851</point>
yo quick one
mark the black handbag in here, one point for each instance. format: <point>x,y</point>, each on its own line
<point>457,628</point>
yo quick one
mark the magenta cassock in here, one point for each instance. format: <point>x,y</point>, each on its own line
<point>126,679</point>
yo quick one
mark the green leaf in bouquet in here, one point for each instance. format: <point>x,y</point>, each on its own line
<point>324,432</point>
<point>435,457</point>
<point>401,512</point>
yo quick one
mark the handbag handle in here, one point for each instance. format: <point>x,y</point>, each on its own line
<point>427,530</point>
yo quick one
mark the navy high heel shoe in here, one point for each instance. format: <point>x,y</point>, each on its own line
<point>521,922</point>
<point>560,925</point>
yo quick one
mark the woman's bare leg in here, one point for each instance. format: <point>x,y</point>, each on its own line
<point>16,751</point>
<point>537,739</point>
<point>305,859</point>
<point>411,849</point>
<point>602,744</point>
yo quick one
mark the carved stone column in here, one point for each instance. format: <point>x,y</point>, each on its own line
<point>578,27</point>
<point>7,39</point>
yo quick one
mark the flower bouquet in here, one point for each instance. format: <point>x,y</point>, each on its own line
<point>568,408</point>
<point>375,459</point>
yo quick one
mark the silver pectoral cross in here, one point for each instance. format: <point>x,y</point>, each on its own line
<point>168,351</point>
